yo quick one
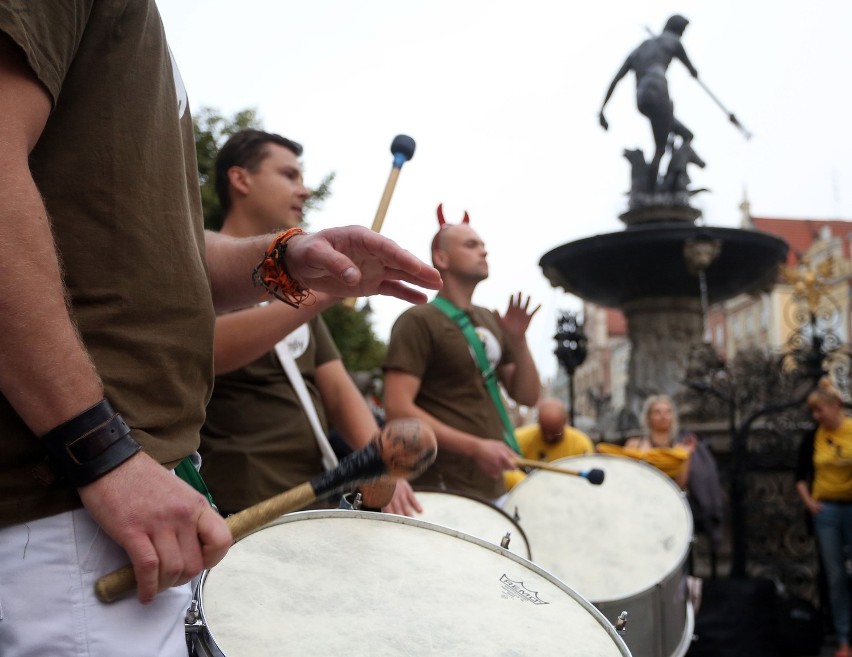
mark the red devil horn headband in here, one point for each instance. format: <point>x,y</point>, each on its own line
<point>442,222</point>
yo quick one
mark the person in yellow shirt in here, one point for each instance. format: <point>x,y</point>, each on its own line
<point>551,438</point>
<point>827,494</point>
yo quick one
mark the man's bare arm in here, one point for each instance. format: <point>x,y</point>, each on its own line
<point>344,404</point>
<point>243,336</point>
<point>170,532</point>
<point>346,261</point>
<point>520,377</point>
<point>45,372</point>
<point>492,456</point>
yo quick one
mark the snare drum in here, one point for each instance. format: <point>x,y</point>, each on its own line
<point>472,515</point>
<point>622,545</point>
<point>349,583</point>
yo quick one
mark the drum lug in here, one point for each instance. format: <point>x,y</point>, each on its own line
<point>193,616</point>
<point>193,623</point>
<point>504,543</point>
<point>351,502</point>
<point>621,623</point>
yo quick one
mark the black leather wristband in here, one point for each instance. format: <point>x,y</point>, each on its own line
<point>91,444</point>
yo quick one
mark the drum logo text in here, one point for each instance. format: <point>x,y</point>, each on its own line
<point>514,589</point>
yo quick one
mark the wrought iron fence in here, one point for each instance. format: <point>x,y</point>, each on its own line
<point>761,396</point>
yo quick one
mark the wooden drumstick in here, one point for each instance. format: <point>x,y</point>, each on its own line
<point>594,476</point>
<point>404,448</point>
<point>402,148</point>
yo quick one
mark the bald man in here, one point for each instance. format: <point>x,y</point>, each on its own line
<point>431,372</point>
<point>550,439</point>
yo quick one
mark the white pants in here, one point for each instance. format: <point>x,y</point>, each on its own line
<point>48,569</point>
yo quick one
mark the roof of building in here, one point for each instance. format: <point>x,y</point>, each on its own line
<point>801,233</point>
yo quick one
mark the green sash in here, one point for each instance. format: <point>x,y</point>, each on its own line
<point>186,471</point>
<point>462,320</point>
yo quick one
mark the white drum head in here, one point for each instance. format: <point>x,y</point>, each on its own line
<point>608,542</point>
<point>349,583</point>
<point>472,516</point>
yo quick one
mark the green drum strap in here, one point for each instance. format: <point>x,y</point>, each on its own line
<point>462,320</point>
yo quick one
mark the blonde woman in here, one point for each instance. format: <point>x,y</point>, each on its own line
<point>660,443</point>
<point>825,486</point>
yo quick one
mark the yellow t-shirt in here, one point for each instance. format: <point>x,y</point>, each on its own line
<point>533,446</point>
<point>671,460</point>
<point>833,463</point>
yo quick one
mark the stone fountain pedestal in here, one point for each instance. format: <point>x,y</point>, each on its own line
<point>662,332</point>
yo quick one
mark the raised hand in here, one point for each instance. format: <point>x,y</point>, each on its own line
<point>518,316</point>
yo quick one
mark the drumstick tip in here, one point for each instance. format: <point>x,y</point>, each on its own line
<point>595,476</point>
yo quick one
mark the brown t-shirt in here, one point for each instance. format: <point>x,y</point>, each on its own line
<point>257,441</point>
<point>426,343</point>
<point>116,167</point>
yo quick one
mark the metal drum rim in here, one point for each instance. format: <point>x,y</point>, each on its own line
<point>484,502</point>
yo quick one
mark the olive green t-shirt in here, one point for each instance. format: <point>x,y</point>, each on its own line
<point>426,343</point>
<point>257,441</point>
<point>116,167</point>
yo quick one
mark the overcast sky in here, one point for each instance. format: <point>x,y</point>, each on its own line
<point>502,99</point>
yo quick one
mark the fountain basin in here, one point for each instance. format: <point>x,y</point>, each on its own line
<point>647,260</point>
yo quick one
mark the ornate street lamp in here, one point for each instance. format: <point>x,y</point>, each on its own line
<point>571,350</point>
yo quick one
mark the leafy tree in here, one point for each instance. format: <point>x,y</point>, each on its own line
<point>353,334</point>
<point>351,329</point>
<point>318,195</point>
<point>212,129</point>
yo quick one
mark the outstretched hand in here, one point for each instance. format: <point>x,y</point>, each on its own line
<point>356,261</point>
<point>518,316</point>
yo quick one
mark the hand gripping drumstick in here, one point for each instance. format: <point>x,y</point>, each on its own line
<point>595,476</point>
<point>404,448</point>
<point>402,148</point>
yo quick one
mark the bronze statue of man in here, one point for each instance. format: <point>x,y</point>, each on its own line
<point>649,62</point>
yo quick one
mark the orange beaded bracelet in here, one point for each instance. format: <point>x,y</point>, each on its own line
<point>271,273</point>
